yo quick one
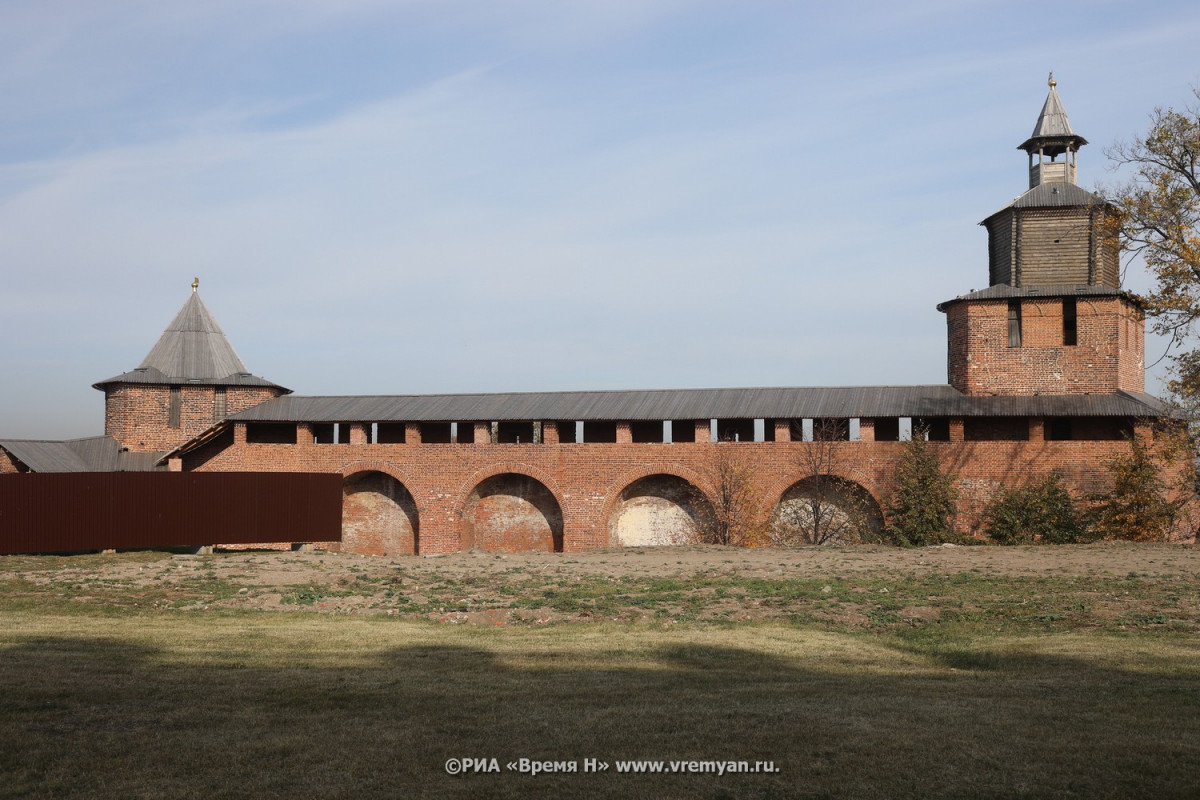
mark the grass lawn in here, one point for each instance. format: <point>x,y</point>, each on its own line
<point>1012,692</point>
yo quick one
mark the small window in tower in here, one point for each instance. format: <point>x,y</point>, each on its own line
<point>173,408</point>
<point>1014,323</point>
<point>1070,329</point>
<point>219,403</point>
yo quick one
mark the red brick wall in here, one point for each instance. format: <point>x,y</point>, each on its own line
<point>1110,353</point>
<point>137,415</point>
<point>512,513</point>
<point>8,464</point>
<point>379,516</point>
<point>586,481</point>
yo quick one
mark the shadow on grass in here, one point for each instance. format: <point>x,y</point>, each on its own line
<point>83,717</point>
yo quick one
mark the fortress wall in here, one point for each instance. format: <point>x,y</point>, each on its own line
<point>465,495</point>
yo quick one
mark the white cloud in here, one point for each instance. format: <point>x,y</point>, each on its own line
<point>620,194</point>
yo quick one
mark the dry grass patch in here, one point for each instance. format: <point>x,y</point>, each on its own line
<point>173,704</point>
<point>860,672</point>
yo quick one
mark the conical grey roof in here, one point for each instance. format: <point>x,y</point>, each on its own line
<point>1053,132</point>
<point>193,349</point>
<point>1053,119</point>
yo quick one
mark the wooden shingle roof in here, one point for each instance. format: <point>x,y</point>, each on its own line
<point>1053,130</point>
<point>193,349</point>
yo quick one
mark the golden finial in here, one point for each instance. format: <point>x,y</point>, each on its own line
<point>1051,82</point>
<point>195,284</point>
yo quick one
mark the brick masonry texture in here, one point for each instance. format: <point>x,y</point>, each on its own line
<point>1109,355</point>
<point>494,496</point>
<point>138,415</point>
<point>8,465</point>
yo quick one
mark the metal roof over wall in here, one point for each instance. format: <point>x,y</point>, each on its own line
<point>940,400</point>
<point>1003,291</point>
<point>95,454</point>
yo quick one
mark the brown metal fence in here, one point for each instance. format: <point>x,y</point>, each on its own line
<point>62,512</point>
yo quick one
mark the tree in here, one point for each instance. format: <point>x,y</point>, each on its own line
<point>1039,511</point>
<point>1138,507</point>
<point>823,508</point>
<point>924,504</point>
<point>733,516</point>
<point>1159,221</point>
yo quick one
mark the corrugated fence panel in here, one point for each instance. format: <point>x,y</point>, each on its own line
<point>61,512</point>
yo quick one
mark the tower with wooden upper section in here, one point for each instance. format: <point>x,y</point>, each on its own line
<point>1053,319</point>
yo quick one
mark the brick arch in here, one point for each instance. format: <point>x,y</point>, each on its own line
<point>853,509</point>
<point>627,479</point>
<point>380,514</point>
<point>529,517</point>
<point>355,467</point>
<point>623,481</point>
<point>501,468</point>
<point>776,489</point>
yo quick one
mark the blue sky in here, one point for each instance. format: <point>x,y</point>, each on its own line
<point>413,197</point>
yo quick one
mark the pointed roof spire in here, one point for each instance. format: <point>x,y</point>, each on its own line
<point>1052,134</point>
<point>193,346</point>
<point>193,349</point>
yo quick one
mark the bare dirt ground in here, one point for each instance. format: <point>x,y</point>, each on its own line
<point>843,585</point>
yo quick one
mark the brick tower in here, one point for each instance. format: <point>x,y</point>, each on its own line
<point>190,379</point>
<point>1053,319</point>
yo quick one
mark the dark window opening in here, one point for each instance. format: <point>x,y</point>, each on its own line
<point>389,433</point>
<point>646,431</point>
<point>600,431</point>
<point>935,429</point>
<point>1059,430</point>
<point>270,433</point>
<point>464,432</point>
<point>1014,323</point>
<point>831,430</point>
<point>173,408</point>
<point>887,429</point>
<point>683,430</point>
<point>1070,327</point>
<point>996,429</point>
<point>1106,429</point>
<point>735,430</point>
<point>219,405</point>
<point>435,433</point>
<point>514,433</point>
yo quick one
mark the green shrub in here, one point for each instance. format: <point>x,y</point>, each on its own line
<point>923,507</point>
<point>1040,511</point>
